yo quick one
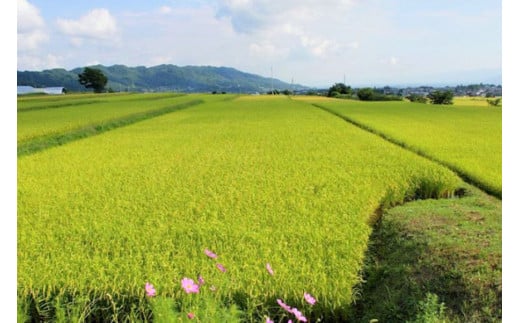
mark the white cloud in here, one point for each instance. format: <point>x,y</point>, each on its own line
<point>165,10</point>
<point>31,27</point>
<point>97,24</point>
<point>158,60</point>
<point>91,63</point>
<point>266,49</point>
<point>392,61</point>
<point>353,45</point>
<point>28,17</point>
<point>291,26</point>
<point>250,16</point>
<point>31,62</point>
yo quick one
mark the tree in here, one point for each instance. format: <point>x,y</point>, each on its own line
<point>413,97</point>
<point>495,102</point>
<point>339,88</point>
<point>93,78</point>
<point>365,94</point>
<point>441,97</point>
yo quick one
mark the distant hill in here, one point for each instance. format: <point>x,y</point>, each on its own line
<point>160,78</point>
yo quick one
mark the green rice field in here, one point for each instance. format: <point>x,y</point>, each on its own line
<point>263,182</point>
<point>466,137</point>
<point>44,116</point>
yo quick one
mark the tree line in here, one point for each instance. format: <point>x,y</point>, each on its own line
<point>340,90</point>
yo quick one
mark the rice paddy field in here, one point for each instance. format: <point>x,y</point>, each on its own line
<point>234,209</point>
<point>44,116</point>
<point>435,131</point>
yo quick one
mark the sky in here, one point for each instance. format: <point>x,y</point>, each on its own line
<point>310,42</point>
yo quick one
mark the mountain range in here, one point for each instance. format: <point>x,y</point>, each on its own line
<point>160,78</point>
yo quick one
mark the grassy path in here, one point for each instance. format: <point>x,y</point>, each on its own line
<point>437,259</point>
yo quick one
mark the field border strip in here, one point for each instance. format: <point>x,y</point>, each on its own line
<point>38,144</point>
<point>92,101</point>
<point>59,105</point>
<point>463,175</point>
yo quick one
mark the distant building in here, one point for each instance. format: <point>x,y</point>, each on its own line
<point>24,89</point>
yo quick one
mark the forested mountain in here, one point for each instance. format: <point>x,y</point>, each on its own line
<point>160,78</point>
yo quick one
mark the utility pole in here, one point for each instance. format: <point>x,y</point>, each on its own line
<point>272,89</point>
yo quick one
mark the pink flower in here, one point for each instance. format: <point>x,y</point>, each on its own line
<point>311,300</point>
<point>269,269</point>
<point>221,268</point>
<point>150,291</point>
<point>191,316</point>
<point>210,254</point>
<point>189,285</point>
<point>299,315</point>
<point>268,320</point>
<point>284,306</point>
<point>201,280</point>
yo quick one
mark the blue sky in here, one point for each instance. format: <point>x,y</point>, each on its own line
<point>313,42</point>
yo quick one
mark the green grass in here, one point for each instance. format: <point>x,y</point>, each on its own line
<point>468,139</point>
<point>257,180</point>
<point>440,252</point>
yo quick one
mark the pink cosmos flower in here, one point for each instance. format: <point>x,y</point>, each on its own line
<point>210,254</point>
<point>189,285</point>
<point>284,306</point>
<point>201,280</point>
<point>191,316</point>
<point>269,269</point>
<point>150,291</point>
<point>221,268</point>
<point>299,315</point>
<point>268,320</point>
<point>311,300</point>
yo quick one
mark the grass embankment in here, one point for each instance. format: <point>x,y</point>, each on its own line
<point>435,261</point>
<point>467,139</point>
<point>256,180</point>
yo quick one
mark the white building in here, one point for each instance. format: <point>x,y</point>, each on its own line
<point>24,89</point>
